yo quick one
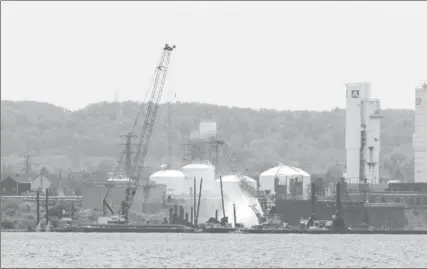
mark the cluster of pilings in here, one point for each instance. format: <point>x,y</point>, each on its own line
<point>177,215</point>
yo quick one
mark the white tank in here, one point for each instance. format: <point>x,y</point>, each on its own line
<point>372,120</point>
<point>175,181</point>
<point>420,135</point>
<point>286,175</point>
<point>200,170</point>
<point>353,128</point>
<point>235,179</point>
<point>207,129</point>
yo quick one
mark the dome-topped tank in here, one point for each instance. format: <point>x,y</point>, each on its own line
<point>233,178</point>
<point>200,170</point>
<point>289,176</point>
<point>175,181</point>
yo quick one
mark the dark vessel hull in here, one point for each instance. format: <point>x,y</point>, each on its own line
<point>219,230</point>
<point>394,232</point>
<point>354,213</point>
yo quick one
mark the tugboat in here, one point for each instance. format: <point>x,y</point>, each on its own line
<point>270,223</point>
<point>215,226</point>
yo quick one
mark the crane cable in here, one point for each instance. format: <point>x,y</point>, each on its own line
<point>123,153</point>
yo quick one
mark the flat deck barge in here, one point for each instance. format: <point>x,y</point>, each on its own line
<point>128,228</point>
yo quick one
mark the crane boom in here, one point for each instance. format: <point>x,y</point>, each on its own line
<point>155,91</point>
<point>147,128</point>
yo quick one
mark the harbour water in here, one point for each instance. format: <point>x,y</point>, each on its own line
<point>47,250</point>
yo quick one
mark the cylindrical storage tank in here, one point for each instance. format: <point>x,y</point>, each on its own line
<point>235,179</point>
<point>198,171</point>
<point>175,181</point>
<point>354,93</point>
<point>207,129</point>
<point>289,176</point>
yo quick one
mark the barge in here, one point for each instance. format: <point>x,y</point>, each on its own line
<point>127,228</point>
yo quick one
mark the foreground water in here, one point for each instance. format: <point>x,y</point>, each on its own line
<point>211,250</point>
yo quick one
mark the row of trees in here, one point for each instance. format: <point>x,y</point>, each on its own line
<point>311,140</point>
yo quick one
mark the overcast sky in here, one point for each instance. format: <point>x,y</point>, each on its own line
<point>282,55</point>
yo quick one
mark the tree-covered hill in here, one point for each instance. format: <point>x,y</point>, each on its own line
<point>311,140</point>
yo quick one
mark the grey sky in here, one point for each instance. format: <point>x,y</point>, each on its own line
<point>282,55</point>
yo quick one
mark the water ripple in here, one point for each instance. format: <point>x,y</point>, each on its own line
<point>211,250</point>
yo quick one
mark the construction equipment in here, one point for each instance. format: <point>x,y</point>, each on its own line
<point>144,137</point>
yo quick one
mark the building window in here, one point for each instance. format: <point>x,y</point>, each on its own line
<point>4,190</point>
<point>13,189</point>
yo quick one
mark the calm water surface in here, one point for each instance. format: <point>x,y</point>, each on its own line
<point>211,250</point>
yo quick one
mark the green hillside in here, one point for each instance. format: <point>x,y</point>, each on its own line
<point>311,140</point>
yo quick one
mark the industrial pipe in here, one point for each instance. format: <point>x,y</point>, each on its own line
<point>47,206</point>
<point>200,197</point>
<point>171,215</point>
<point>338,202</point>
<point>234,213</point>
<point>194,200</point>
<point>38,207</point>
<point>181,213</point>
<point>191,216</point>
<point>313,198</point>
<point>222,197</point>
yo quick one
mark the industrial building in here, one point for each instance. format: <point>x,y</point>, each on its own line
<point>362,134</point>
<point>420,135</point>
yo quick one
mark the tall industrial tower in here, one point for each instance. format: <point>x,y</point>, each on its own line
<point>362,134</point>
<point>420,136</point>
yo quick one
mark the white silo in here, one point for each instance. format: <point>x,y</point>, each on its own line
<point>200,170</point>
<point>287,175</point>
<point>372,120</point>
<point>207,128</point>
<point>242,199</point>
<point>355,94</point>
<point>175,181</point>
<point>420,135</point>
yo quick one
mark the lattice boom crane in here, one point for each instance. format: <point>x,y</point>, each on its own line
<point>147,129</point>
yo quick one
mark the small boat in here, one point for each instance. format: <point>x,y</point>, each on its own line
<point>214,226</point>
<point>272,224</point>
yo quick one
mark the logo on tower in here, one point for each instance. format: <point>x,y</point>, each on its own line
<point>418,101</point>
<point>355,94</point>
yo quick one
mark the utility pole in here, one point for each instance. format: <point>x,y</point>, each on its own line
<point>27,162</point>
<point>128,152</point>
